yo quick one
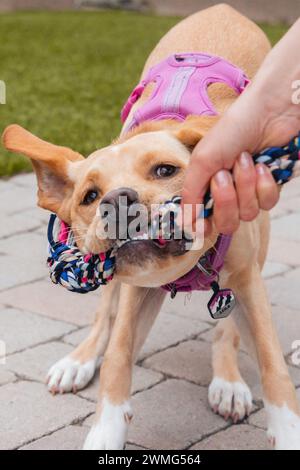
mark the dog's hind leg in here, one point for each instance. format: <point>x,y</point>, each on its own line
<point>75,371</point>
<point>228,394</point>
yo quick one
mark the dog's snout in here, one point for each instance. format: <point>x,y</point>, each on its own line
<point>114,209</point>
<point>121,196</point>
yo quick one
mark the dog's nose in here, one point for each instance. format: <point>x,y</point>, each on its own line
<point>121,196</point>
<point>114,209</point>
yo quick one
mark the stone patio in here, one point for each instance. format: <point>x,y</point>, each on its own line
<point>40,323</point>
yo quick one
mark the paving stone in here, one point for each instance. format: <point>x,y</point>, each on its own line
<point>16,199</point>
<point>168,330</point>
<point>16,223</point>
<point>142,379</point>
<point>288,204</point>
<point>192,305</point>
<point>134,447</point>
<point>34,363</point>
<point>287,323</point>
<point>289,200</point>
<point>30,246</point>
<point>68,438</point>
<point>4,182</point>
<point>259,419</point>
<point>208,335</point>
<point>78,336</point>
<point>45,298</point>
<point>272,269</point>
<point>278,211</point>
<point>27,180</point>
<point>19,270</point>
<point>6,376</point>
<point>290,190</point>
<point>284,291</point>
<point>28,412</point>
<point>41,216</point>
<point>191,360</point>
<point>295,375</point>
<point>283,319</point>
<point>172,415</point>
<point>284,252</point>
<point>42,230</point>
<point>287,227</point>
<point>20,330</point>
<point>238,437</point>
<point>89,421</point>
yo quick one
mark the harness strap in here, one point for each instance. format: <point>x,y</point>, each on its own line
<point>180,90</point>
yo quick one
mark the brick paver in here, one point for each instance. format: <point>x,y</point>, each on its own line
<point>40,323</point>
<point>21,330</point>
<point>172,415</point>
<point>28,412</point>
<point>241,437</point>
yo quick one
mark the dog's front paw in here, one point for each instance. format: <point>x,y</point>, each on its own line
<point>69,375</point>
<point>110,430</point>
<point>230,399</point>
<point>284,428</point>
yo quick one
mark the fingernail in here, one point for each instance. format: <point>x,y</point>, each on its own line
<point>261,169</point>
<point>245,160</point>
<point>222,178</point>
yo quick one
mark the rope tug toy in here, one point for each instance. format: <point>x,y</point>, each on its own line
<point>83,273</point>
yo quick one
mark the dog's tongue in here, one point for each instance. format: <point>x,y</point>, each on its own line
<point>161,241</point>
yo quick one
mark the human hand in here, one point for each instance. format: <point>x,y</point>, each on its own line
<point>264,115</point>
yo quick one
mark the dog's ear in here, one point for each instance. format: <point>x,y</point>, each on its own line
<point>193,129</point>
<point>52,165</point>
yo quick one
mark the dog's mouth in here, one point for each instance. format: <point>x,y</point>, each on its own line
<point>139,250</point>
<point>143,237</point>
<point>174,247</point>
<point>155,237</point>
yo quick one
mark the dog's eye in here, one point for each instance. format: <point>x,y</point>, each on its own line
<point>90,197</point>
<point>165,171</point>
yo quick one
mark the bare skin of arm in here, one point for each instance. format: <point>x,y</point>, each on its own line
<point>264,115</point>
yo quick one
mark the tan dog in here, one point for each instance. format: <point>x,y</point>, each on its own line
<point>73,186</point>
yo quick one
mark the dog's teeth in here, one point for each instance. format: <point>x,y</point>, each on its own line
<point>142,236</point>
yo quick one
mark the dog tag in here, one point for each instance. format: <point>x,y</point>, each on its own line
<point>221,302</point>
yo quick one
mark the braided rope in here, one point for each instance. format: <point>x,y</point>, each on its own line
<point>71,268</point>
<point>282,161</point>
<point>82,273</point>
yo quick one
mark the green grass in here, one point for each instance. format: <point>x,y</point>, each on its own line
<point>68,74</point>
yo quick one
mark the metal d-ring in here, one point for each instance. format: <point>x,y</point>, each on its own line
<point>206,272</point>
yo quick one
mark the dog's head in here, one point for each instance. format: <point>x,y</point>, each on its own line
<point>145,167</point>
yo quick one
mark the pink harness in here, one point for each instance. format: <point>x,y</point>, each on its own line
<point>180,90</point>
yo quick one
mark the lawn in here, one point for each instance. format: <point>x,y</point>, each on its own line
<point>68,74</point>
